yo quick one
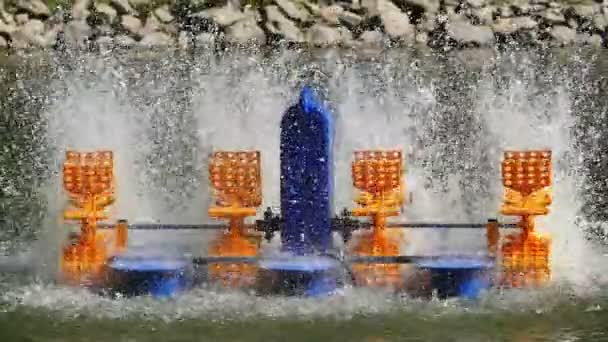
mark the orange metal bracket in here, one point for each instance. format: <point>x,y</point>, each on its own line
<point>527,178</point>
<point>88,179</point>
<point>236,179</point>
<point>378,176</point>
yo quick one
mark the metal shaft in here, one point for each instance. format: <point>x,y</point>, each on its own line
<point>217,226</point>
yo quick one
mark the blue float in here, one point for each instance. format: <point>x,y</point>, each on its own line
<point>459,276</point>
<point>306,203</point>
<point>155,276</point>
<point>308,276</point>
<point>306,176</point>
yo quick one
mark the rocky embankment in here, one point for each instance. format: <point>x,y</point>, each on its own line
<point>356,23</point>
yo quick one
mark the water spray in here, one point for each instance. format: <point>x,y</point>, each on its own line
<point>307,263</point>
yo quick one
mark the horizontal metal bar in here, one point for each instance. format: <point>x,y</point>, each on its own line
<point>217,226</point>
<point>447,225</point>
<point>398,259</point>
<point>225,260</point>
<point>169,226</point>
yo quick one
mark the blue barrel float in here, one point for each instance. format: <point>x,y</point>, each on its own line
<point>157,276</point>
<point>458,276</point>
<point>308,276</point>
<point>306,201</point>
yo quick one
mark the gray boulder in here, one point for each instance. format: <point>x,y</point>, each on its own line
<point>465,33</point>
<point>123,7</point>
<point>563,35</point>
<point>293,10</point>
<point>222,16</point>
<point>321,35</point>
<point>396,23</point>
<point>131,24</point>
<point>163,14</point>
<point>278,24</point>
<point>77,33</point>
<point>107,11</point>
<point>36,8</point>
<point>245,31</point>
<point>80,9</point>
<point>157,39</point>
<point>124,41</point>
<point>512,25</point>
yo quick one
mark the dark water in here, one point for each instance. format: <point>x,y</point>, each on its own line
<point>162,113</point>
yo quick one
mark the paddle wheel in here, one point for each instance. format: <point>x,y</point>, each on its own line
<point>377,174</point>
<point>236,180</point>
<point>89,181</point>
<point>525,254</point>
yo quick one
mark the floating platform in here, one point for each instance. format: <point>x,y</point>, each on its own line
<point>458,276</point>
<point>154,276</point>
<point>308,276</point>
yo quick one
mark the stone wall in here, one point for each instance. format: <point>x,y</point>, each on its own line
<point>356,23</point>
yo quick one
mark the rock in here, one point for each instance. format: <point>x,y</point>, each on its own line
<point>512,25</point>
<point>104,30</point>
<point>33,34</point>
<point>124,41</point>
<point>429,6</point>
<point>152,25</point>
<point>80,9</point>
<point>185,40</point>
<point>156,39</point>
<point>322,35</point>
<point>6,17</point>
<point>370,7</point>
<point>476,3</point>
<point>350,19</point>
<point>222,16</point>
<point>484,15</point>
<point>292,10</point>
<point>77,33</point>
<point>586,39</point>
<point>505,12</point>
<point>245,31</point>
<point>278,24</point>
<point>22,19</point>
<point>371,38</point>
<point>105,42</point>
<point>204,39</point>
<point>6,29</point>
<point>465,33</point>
<point>311,7</point>
<point>584,11</point>
<point>123,7</point>
<point>427,23</point>
<point>346,36</point>
<point>163,14</point>
<point>600,22</point>
<point>331,14</point>
<point>563,35</point>
<point>106,10</point>
<point>3,43</point>
<point>396,23</point>
<point>336,15</point>
<point>595,40</point>
<point>553,16</point>
<point>36,8</point>
<point>422,38</point>
<point>131,24</point>
<point>521,9</point>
